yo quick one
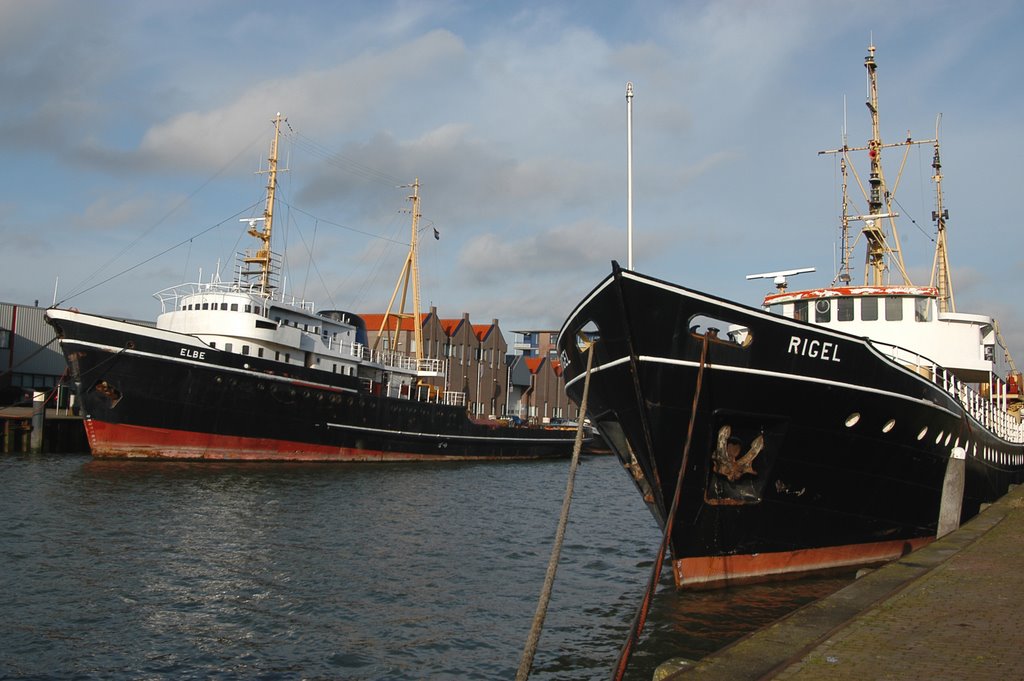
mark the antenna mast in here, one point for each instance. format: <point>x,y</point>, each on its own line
<point>844,267</point>
<point>940,267</point>
<point>263,256</point>
<point>880,253</point>
<point>874,266</point>
<point>629,176</point>
<point>410,273</point>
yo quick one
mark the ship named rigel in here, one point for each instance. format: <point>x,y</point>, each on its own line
<point>816,431</point>
<point>238,371</point>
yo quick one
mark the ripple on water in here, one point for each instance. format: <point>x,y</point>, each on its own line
<point>198,570</point>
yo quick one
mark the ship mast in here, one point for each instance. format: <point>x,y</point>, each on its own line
<point>410,274</point>
<point>263,256</point>
<point>874,266</point>
<point>844,268</point>
<point>940,267</point>
<point>881,253</point>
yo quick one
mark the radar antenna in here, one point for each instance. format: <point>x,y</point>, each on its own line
<point>779,278</point>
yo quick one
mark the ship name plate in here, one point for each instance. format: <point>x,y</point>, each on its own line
<point>827,351</point>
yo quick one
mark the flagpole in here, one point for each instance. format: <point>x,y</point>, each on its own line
<point>629,176</point>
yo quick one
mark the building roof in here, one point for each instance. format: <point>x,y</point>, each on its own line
<point>450,326</point>
<point>533,363</point>
<point>482,330</point>
<point>373,321</point>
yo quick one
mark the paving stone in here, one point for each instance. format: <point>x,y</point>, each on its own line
<point>951,610</point>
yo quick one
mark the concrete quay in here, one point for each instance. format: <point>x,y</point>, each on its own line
<point>951,610</point>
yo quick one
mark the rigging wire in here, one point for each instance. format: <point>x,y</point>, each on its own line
<point>298,140</point>
<point>309,262</point>
<point>339,160</point>
<point>382,256</point>
<point>906,214</point>
<point>74,290</point>
<point>151,258</point>
<point>400,242</point>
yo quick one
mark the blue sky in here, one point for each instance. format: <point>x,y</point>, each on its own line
<point>131,132</point>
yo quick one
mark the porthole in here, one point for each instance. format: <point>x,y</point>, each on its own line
<point>924,431</point>
<point>889,425</point>
<point>852,419</point>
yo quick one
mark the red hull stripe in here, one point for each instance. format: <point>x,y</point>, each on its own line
<point>722,570</point>
<point>111,440</point>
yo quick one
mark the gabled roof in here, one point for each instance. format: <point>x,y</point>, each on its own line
<point>374,320</point>
<point>534,363</point>
<point>481,331</point>
<point>450,326</point>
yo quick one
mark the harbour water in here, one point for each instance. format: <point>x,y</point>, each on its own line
<point>157,570</point>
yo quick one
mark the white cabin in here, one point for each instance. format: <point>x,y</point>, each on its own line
<point>906,318</point>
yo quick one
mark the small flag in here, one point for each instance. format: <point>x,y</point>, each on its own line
<point>437,234</point>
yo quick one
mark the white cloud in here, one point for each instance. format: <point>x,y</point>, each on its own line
<point>513,118</point>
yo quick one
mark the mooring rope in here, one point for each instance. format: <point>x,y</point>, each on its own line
<point>526,662</point>
<point>652,584</point>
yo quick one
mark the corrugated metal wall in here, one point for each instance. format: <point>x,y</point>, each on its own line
<point>29,333</point>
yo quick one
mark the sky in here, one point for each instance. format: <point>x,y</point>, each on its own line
<point>132,134</point>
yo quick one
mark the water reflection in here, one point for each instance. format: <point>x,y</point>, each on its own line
<point>128,569</point>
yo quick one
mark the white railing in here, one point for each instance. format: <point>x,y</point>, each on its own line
<point>456,398</point>
<point>990,412</point>
<point>430,365</point>
<point>170,297</point>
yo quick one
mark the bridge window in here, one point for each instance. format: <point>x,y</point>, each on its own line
<point>234,307</point>
<point>893,308</point>
<point>922,310</point>
<point>844,310</point>
<point>800,310</point>
<point>869,309</point>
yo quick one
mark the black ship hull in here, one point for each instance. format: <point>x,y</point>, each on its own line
<point>150,393</point>
<point>810,448</point>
